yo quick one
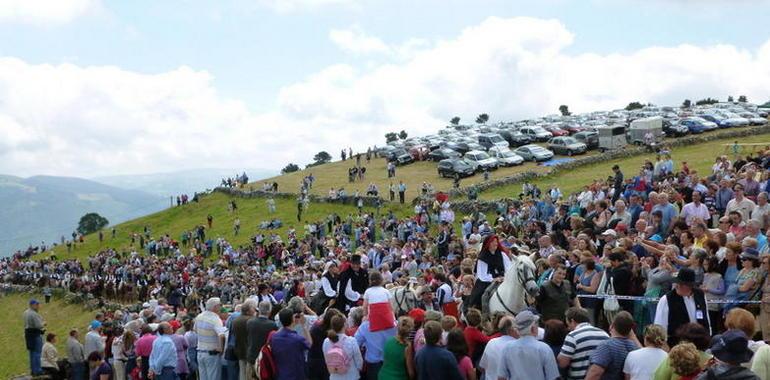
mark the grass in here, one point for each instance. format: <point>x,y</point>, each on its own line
<point>699,157</point>
<point>174,221</point>
<point>60,317</point>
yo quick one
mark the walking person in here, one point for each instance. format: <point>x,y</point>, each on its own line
<point>34,328</point>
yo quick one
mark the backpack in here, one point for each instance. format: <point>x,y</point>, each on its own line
<point>337,360</point>
<point>265,364</point>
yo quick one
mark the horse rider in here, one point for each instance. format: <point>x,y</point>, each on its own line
<point>327,294</point>
<point>353,283</point>
<point>491,266</point>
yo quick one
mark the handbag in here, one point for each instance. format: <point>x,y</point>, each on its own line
<point>611,303</point>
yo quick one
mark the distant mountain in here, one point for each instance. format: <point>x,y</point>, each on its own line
<point>179,182</point>
<point>43,208</point>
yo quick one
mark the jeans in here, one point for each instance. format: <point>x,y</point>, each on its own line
<point>166,374</point>
<point>78,371</point>
<point>233,370</point>
<point>35,348</point>
<point>209,366</point>
<point>373,370</point>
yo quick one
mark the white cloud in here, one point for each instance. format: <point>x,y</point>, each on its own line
<point>354,40</point>
<point>45,12</point>
<point>286,6</point>
<point>69,119</point>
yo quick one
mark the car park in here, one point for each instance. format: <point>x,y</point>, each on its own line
<point>481,159</point>
<point>506,157</point>
<point>489,140</point>
<point>443,154</point>
<point>566,145</point>
<point>536,133</point>
<point>534,152</point>
<point>590,138</point>
<point>515,138</point>
<point>455,168</point>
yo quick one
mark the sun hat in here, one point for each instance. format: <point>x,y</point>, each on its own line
<point>525,319</point>
<point>685,276</point>
<point>731,347</point>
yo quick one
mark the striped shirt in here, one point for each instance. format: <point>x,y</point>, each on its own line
<point>578,346</point>
<point>209,328</point>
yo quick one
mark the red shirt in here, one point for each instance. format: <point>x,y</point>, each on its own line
<point>474,337</point>
<point>143,345</point>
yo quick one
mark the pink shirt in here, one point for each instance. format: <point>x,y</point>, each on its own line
<point>143,346</point>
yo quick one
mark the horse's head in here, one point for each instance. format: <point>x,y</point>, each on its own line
<point>528,276</point>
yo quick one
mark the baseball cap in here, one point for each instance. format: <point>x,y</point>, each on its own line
<point>33,302</point>
<point>417,314</point>
<point>525,319</point>
<point>95,325</point>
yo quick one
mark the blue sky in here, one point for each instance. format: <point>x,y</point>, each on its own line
<point>99,84</point>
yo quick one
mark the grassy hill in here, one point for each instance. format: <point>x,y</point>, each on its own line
<point>60,317</point>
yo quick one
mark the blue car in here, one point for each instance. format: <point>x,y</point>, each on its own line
<point>698,125</point>
<point>720,122</point>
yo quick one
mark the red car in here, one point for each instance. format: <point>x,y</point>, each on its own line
<point>556,131</point>
<point>419,152</point>
<point>573,128</point>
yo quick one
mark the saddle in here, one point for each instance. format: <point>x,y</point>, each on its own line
<point>487,296</point>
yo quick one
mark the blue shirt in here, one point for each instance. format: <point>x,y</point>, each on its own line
<point>611,355</point>
<point>289,349</point>
<point>373,341</point>
<point>530,359</point>
<point>163,354</point>
<point>669,213</point>
<point>436,363</point>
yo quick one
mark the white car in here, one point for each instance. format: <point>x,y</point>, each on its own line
<point>506,157</point>
<point>537,133</point>
<point>753,118</point>
<point>481,160</point>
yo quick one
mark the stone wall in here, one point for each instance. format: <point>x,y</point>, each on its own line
<point>369,201</point>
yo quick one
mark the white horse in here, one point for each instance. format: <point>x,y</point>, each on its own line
<point>403,298</point>
<point>519,283</point>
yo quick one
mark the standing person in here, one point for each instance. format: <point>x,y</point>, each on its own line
<point>683,304</point>
<point>401,191</point>
<point>374,344</point>
<point>730,350</point>
<point>211,340</point>
<point>555,295</point>
<point>258,329</point>
<point>34,328</point>
<point>433,361</point>
<point>445,296</point>
<point>377,304</point>
<point>641,364</point>
<point>527,358</point>
<point>392,191</point>
<point>455,343</point>
<point>609,357</point>
<point>240,334</point>
<point>493,352</point>
<point>143,349</point>
<point>617,183</point>
<point>76,356</point>
<point>100,369</point>
<point>50,357</point>
<point>94,340</point>
<point>163,358</point>
<point>491,266</point>
<point>209,220</point>
<point>442,240</point>
<point>579,343</point>
<point>289,347</point>
<point>181,346</point>
<point>398,353</point>
<point>341,352</point>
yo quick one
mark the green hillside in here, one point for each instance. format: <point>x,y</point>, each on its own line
<point>59,316</point>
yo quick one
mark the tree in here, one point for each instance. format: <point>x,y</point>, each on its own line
<point>686,103</point>
<point>743,99</point>
<point>455,120</point>
<point>482,119</point>
<point>564,110</point>
<point>706,101</point>
<point>730,98</point>
<point>321,158</point>
<point>402,135</point>
<point>91,222</point>
<point>290,168</point>
<point>634,106</point>
<point>390,137</point>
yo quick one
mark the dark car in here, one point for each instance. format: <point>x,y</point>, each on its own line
<point>516,138</point>
<point>400,157</point>
<point>443,154</point>
<point>674,129</point>
<point>454,168</point>
<point>566,145</point>
<point>591,139</point>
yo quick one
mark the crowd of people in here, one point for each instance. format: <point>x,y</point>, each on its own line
<point>661,274</point>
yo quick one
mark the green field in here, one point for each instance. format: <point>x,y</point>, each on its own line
<point>59,316</point>
<point>699,157</point>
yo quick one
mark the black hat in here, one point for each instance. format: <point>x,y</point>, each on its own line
<point>686,276</point>
<point>731,347</point>
<point>355,259</point>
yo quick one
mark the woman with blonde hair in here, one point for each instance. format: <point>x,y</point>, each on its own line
<point>685,361</point>
<point>398,353</point>
<point>642,363</point>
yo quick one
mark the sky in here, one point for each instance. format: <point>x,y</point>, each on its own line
<point>106,87</point>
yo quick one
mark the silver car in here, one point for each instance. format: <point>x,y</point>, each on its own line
<point>534,152</point>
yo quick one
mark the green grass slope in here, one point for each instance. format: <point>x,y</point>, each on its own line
<point>59,316</point>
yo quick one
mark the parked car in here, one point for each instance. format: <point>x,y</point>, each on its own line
<point>534,152</point>
<point>719,120</point>
<point>573,128</point>
<point>536,133</point>
<point>698,124</point>
<point>457,147</point>
<point>475,146</point>
<point>454,168</point>
<point>590,138</point>
<point>753,118</point>
<point>443,154</point>
<point>516,138</point>
<point>556,131</point>
<point>481,159</point>
<point>566,145</point>
<point>419,152</point>
<point>506,157</point>
<point>674,128</point>
<point>489,140</point>
<point>400,157</point>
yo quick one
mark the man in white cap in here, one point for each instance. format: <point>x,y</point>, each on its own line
<point>527,357</point>
<point>211,339</point>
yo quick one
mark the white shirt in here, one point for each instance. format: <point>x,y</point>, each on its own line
<point>641,364</point>
<point>661,313</point>
<point>493,352</point>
